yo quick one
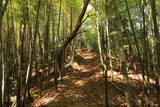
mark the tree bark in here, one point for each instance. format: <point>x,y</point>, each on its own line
<point>2,11</point>
<point>106,104</point>
<point>59,19</point>
<point>124,69</point>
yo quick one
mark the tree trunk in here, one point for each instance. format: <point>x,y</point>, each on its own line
<point>60,51</point>
<point>47,33</point>
<point>32,47</point>
<point>73,42</point>
<point>3,80</point>
<point>124,69</point>
<point>59,20</point>
<point>139,56</point>
<point>2,12</point>
<point>106,104</point>
<point>145,39</point>
<point>156,33</point>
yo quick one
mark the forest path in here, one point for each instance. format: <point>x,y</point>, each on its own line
<point>83,86</point>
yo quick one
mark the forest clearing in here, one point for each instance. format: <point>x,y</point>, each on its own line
<point>79,53</point>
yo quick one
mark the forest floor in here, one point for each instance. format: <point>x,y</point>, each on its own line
<point>83,86</point>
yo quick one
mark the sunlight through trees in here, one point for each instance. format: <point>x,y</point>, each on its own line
<point>80,53</point>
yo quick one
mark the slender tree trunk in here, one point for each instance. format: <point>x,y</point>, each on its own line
<point>55,71</point>
<point>73,42</point>
<point>108,39</point>
<point>20,64</point>
<point>60,51</point>
<point>32,53</point>
<point>157,35</point>
<point>109,46</point>
<point>124,69</point>
<point>8,61</point>
<point>47,32</point>
<point>59,19</point>
<point>28,75</point>
<point>106,104</point>
<point>3,6</point>
<point>1,61</point>
<point>139,55</point>
<point>145,50</point>
<point>47,35</point>
<point>3,81</point>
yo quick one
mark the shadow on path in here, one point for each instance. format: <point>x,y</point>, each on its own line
<point>84,87</point>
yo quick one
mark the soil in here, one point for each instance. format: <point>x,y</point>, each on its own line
<point>83,86</point>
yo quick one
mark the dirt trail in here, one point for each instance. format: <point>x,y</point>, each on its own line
<point>83,87</point>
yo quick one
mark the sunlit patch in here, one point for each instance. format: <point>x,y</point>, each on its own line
<point>76,66</point>
<point>89,57</point>
<point>66,77</point>
<point>111,72</point>
<point>137,77</point>
<point>84,70</point>
<point>44,101</point>
<point>140,78</point>
<point>98,74</point>
<point>80,83</point>
<point>76,89</point>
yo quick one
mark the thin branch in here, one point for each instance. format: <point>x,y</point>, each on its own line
<point>83,31</point>
<point>89,15</point>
